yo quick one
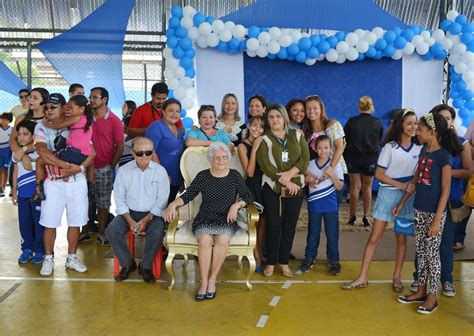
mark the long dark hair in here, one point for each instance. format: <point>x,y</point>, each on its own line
<point>307,129</point>
<point>293,102</point>
<point>395,130</point>
<point>44,95</point>
<point>262,101</point>
<point>261,120</point>
<point>82,101</point>
<point>447,137</point>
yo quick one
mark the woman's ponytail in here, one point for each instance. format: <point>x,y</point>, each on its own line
<point>448,138</point>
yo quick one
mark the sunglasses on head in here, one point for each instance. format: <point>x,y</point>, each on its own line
<point>312,97</point>
<point>207,107</point>
<point>143,153</point>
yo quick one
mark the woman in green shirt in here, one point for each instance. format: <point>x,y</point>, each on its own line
<point>283,157</point>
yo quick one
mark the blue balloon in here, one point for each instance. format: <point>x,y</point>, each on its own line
<point>186,43</point>
<point>454,94</point>
<point>170,93</point>
<point>233,51</point>
<point>466,122</point>
<point>234,43</point>
<point>315,39</point>
<point>210,19</point>
<point>461,19</point>
<point>181,32</point>
<point>416,29</point>
<point>389,36</point>
<point>468,28</point>
<point>271,56</point>
<point>361,57</point>
<point>454,76</point>
<point>467,94</point>
<point>293,49</point>
<point>378,55</point>
<point>389,50</point>
<point>371,52</point>
<point>282,54</point>
<point>291,58</point>
<point>190,53</point>
<point>187,122</point>
<point>444,25</point>
<point>437,49</point>
<point>222,46</point>
<point>186,62</point>
<point>464,113</point>
<point>340,36</point>
<point>178,52</point>
<point>428,56</point>
<point>323,37</point>
<point>381,44</point>
<point>443,55</point>
<point>332,40</point>
<point>170,32</point>
<point>174,22</point>
<point>469,104</point>
<point>470,47</point>
<point>190,72</point>
<point>172,42</point>
<point>408,34</point>
<point>323,47</point>
<point>455,28</point>
<point>177,11</point>
<point>243,45</point>
<point>460,86</point>
<point>304,43</point>
<point>264,29</point>
<point>313,52</point>
<point>301,57</point>
<point>253,31</point>
<point>458,103</point>
<point>182,113</point>
<point>397,31</point>
<point>400,42</point>
<point>467,38</point>
<point>198,18</point>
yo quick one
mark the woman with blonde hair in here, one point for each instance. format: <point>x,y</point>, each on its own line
<point>229,120</point>
<point>363,135</point>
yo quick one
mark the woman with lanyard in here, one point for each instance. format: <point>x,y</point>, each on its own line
<point>283,156</point>
<point>206,134</point>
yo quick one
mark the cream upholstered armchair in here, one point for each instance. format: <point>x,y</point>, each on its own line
<point>180,238</point>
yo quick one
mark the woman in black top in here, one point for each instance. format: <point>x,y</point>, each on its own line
<point>363,135</point>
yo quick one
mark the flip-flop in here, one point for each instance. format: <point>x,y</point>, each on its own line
<point>458,246</point>
<point>350,285</point>
<point>397,288</point>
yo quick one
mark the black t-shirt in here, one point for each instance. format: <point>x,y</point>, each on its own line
<point>363,135</point>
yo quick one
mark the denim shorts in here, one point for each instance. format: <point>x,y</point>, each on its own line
<point>387,199</point>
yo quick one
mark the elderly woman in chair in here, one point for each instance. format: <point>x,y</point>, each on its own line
<point>215,223</point>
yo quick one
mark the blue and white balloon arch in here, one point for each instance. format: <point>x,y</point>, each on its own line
<point>188,28</point>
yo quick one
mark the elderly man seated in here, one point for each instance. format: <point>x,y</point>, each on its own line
<point>141,192</point>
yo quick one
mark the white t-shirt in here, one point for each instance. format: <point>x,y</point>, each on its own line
<point>4,137</point>
<point>399,163</point>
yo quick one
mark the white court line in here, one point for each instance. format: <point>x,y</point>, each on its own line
<point>287,284</point>
<point>261,321</point>
<point>274,301</point>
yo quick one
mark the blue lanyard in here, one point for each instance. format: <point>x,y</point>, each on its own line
<point>282,142</point>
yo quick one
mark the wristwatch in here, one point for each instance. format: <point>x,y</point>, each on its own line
<point>83,169</point>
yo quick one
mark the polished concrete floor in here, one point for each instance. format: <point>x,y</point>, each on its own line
<point>69,303</point>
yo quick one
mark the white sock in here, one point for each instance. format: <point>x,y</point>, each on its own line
<point>48,257</point>
<point>71,256</point>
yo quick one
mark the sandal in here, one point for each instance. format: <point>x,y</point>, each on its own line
<point>350,285</point>
<point>352,220</point>
<point>458,246</point>
<point>397,288</point>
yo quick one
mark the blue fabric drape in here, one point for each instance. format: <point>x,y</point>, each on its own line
<point>9,82</point>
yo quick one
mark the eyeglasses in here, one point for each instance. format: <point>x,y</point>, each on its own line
<point>143,153</point>
<point>94,97</point>
<point>24,97</point>
<point>220,158</point>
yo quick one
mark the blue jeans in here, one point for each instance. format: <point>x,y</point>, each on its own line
<point>331,226</point>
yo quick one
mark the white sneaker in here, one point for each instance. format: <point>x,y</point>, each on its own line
<point>76,264</point>
<point>47,267</point>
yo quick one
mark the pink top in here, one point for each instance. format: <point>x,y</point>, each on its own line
<point>108,132</point>
<point>80,139</point>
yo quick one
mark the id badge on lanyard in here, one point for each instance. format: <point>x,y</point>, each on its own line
<point>284,156</point>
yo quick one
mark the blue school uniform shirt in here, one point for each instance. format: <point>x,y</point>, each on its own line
<point>428,178</point>
<point>26,179</point>
<point>457,185</point>
<point>4,137</point>
<point>323,198</point>
<point>168,147</point>
<point>220,136</point>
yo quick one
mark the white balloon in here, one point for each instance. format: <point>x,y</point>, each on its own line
<point>239,32</point>
<point>225,35</point>
<point>371,38</point>
<point>417,40</point>
<point>430,41</point>
<point>457,121</point>
<point>459,49</point>
<point>460,67</point>
<point>397,55</point>
<point>179,72</point>
<point>310,61</point>
<point>189,11</point>
<point>172,63</point>
<point>447,43</point>
<point>212,40</point>
<point>425,35</point>
<point>275,33</point>
<point>168,73</point>
<point>352,54</point>
<point>187,103</point>
<point>264,38</point>
<point>352,38</point>
<point>252,44</point>
<point>360,33</point>
<point>461,131</point>
<point>205,28</point>
<point>409,49</point>
<point>305,35</point>
<point>229,25</point>
<point>194,33</point>
<point>438,35</point>
<point>362,46</point>
<point>179,93</point>
<point>273,47</point>
<point>191,93</point>
<point>251,53</point>
<point>470,67</point>
<point>186,82</point>
<point>167,52</point>
<point>378,31</point>
<point>321,57</point>
<point>453,59</point>
<point>422,49</point>
<point>217,25</point>
<point>468,76</point>
<point>187,22</point>
<point>173,83</point>
<point>452,15</point>
<point>332,55</point>
<point>341,59</point>
<point>456,39</point>
<point>342,47</point>
<point>202,42</point>
<point>295,36</point>
<point>262,51</point>
<point>284,40</point>
<point>468,57</point>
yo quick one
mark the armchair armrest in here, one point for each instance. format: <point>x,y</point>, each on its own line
<point>172,227</point>
<point>252,219</point>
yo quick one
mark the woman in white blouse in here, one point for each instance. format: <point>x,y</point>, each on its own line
<point>229,120</point>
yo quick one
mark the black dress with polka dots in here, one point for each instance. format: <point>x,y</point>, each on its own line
<point>218,194</point>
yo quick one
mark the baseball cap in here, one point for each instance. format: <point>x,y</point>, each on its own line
<point>55,99</point>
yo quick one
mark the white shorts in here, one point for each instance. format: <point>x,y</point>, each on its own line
<point>60,195</point>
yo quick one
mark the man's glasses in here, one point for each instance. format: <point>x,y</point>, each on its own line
<point>94,97</point>
<point>143,153</point>
<point>24,97</point>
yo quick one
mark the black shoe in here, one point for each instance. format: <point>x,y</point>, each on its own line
<point>125,272</point>
<point>211,295</point>
<point>365,221</point>
<point>147,274</point>
<point>405,300</point>
<point>306,266</point>
<point>352,220</point>
<point>334,268</point>
<point>200,297</point>
<point>2,192</point>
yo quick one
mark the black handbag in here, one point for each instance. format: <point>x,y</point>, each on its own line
<point>59,142</point>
